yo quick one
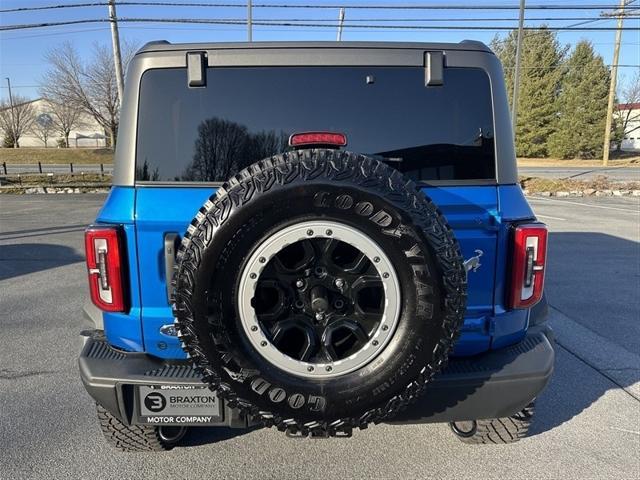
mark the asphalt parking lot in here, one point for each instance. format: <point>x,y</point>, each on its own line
<point>614,173</point>
<point>587,424</point>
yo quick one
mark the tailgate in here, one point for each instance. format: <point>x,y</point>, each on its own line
<point>165,210</point>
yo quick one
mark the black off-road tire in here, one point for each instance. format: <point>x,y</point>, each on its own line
<point>328,185</point>
<point>134,438</point>
<point>495,430</point>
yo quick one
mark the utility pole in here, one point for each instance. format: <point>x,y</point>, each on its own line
<point>117,57</point>
<point>340,24</point>
<point>612,87</point>
<point>13,117</point>
<point>516,73</point>
<point>249,21</point>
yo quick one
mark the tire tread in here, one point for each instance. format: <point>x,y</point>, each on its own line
<point>134,438</point>
<point>502,430</point>
<point>336,167</point>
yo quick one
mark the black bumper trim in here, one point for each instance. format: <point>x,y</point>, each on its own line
<point>491,385</point>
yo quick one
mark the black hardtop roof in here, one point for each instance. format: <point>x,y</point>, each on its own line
<point>164,46</point>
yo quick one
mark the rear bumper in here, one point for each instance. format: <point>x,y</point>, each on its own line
<point>495,384</point>
<point>491,385</point>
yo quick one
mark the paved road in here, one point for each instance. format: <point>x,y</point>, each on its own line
<point>58,168</point>
<point>587,422</point>
<point>617,174</point>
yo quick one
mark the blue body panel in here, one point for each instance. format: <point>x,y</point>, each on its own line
<point>471,213</point>
<point>160,211</point>
<point>124,330</point>
<point>479,215</point>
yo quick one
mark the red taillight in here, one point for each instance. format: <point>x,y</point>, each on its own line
<point>327,139</point>
<point>104,264</point>
<point>528,265</point>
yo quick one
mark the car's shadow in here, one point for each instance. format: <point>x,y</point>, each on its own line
<point>24,258</point>
<point>593,279</point>
<point>204,436</point>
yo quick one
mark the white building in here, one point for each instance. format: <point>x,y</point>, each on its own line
<point>87,134</point>
<point>630,113</point>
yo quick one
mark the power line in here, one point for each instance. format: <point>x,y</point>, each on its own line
<point>309,25</point>
<point>65,32</point>
<point>311,6</point>
<point>427,20</point>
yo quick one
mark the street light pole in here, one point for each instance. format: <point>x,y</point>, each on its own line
<point>117,57</point>
<point>516,74</point>
<point>612,87</point>
<point>249,21</point>
<point>13,117</point>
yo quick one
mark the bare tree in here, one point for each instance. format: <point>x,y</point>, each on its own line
<point>628,118</point>
<point>66,117</point>
<point>16,121</point>
<point>224,147</point>
<point>43,127</point>
<point>218,151</point>
<point>90,86</point>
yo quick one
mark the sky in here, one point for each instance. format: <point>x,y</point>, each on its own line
<point>22,51</point>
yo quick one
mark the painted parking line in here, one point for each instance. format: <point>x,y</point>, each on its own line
<point>590,205</point>
<point>550,217</point>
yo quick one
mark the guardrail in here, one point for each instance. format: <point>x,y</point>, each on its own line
<point>56,168</point>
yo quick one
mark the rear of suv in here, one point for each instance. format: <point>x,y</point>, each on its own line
<point>315,237</point>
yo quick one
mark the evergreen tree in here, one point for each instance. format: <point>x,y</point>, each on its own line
<point>540,76</point>
<point>582,105</point>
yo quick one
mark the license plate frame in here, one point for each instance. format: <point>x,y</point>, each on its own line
<point>187,405</point>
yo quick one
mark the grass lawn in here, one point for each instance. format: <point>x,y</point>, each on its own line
<point>57,180</point>
<point>96,156</point>
<point>631,161</point>
<point>56,155</point>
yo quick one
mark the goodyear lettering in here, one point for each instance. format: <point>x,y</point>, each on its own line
<point>345,202</point>
<point>296,400</point>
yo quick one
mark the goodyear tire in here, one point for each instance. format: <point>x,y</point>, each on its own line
<point>496,430</point>
<point>319,291</point>
<point>137,438</point>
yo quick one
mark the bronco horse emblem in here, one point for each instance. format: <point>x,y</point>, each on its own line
<point>473,263</point>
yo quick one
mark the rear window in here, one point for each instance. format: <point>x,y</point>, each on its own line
<point>248,113</point>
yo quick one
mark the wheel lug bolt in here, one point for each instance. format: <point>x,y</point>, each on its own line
<point>329,368</point>
<point>309,369</point>
<point>310,233</point>
<point>253,276</point>
<point>254,329</point>
<point>262,259</point>
<point>385,327</point>
<point>385,275</point>
<point>329,232</point>
<point>263,343</point>
<point>339,282</point>
<point>376,259</point>
<point>300,283</point>
<point>374,343</point>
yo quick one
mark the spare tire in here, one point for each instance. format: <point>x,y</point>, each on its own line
<point>318,291</point>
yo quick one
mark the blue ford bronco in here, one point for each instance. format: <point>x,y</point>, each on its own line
<point>315,237</point>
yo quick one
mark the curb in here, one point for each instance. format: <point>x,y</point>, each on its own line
<point>589,192</point>
<point>53,190</point>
